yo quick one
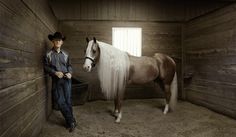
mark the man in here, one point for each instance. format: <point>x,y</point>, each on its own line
<point>58,66</point>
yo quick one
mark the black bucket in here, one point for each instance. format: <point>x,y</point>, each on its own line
<point>79,92</point>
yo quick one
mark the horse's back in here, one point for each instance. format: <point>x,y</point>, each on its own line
<point>142,69</point>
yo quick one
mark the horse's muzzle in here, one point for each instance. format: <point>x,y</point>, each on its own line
<point>90,66</point>
<point>87,68</point>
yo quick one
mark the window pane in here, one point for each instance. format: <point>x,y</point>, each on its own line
<point>127,39</point>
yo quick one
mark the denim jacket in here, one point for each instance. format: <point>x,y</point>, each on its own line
<point>54,61</point>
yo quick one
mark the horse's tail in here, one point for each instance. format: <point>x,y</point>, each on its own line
<point>174,92</point>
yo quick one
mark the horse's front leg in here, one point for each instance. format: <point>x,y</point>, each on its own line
<point>117,111</point>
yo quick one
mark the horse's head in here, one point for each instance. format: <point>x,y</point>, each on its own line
<point>91,54</point>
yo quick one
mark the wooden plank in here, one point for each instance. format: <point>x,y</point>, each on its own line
<point>132,10</point>
<point>23,18</point>
<point>111,10</point>
<point>11,58</point>
<point>211,99</point>
<point>13,95</point>
<point>199,42</point>
<point>9,76</point>
<point>33,129</point>
<point>20,38</point>
<point>78,61</point>
<point>25,122</point>
<point>105,10</point>
<point>211,27</point>
<point>61,14</point>
<point>84,10</point>
<point>43,12</point>
<point>212,103</point>
<point>48,90</point>
<point>141,10</point>
<point>76,52</point>
<point>117,9</point>
<point>220,76</point>
<point>226,24</point>
<point>23,108</point>
<point>15,8</point>
<point>218,89</point>
<point>91,9</point>
<point>27,127</point>
<point>195,9</point>
<point>219,16</point>
<point>212,62</point>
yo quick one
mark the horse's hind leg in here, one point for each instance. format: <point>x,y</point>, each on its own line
<point>168,95</point>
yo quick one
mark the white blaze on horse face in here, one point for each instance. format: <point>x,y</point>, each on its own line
<point>88,63</point>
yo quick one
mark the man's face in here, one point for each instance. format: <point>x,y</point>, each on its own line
<point>57,43</point>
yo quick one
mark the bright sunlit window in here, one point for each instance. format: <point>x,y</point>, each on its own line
<point>128,39</point>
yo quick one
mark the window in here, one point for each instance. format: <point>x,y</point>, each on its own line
<point>127,39</point>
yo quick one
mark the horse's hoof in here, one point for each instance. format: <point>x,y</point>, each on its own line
<point>117,121</point>
<point>166,109</point>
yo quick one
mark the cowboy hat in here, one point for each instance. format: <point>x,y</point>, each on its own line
<point>56,35</point>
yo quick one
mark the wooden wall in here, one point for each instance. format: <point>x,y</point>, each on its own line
<point>119,10</point>
<point>161,21</point>
<point>134,10</point>
<point>196,8</point>
<point>156,37</point>
<point>24,97</point>
<point>210,60</point>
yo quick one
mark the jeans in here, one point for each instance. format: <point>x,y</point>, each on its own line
<point>62,96</point>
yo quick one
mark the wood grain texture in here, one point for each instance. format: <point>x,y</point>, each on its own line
<point>209,50</point>
<point>20,115</point>
<point>24,88</point>
<point>134,10</point>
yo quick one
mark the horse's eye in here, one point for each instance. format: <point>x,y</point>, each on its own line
<point>94,51</point>
<point>84,51</point>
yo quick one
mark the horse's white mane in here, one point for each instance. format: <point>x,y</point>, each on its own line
<point>113,70</point>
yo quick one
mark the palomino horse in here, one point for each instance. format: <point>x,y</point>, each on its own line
<point>117,68</point>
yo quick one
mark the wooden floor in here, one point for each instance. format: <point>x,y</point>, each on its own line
<point>142,118</point>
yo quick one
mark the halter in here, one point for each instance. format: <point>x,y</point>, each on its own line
<point>93,61</point>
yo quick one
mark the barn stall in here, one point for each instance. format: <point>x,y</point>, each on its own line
<point>198,34</point>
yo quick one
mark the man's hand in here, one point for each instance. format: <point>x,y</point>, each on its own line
<point>59,74</point>
<point>68,75</point>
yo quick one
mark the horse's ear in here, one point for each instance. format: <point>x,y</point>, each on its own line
<point>94,40</point>
<point>87,39</point>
